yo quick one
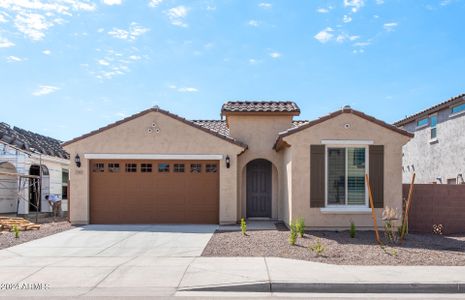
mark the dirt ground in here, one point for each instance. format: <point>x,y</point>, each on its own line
<point>48,227</point>
<point>339,248</point>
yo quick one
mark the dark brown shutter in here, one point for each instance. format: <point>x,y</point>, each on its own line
<point>317,176</point>
<point>376,174</point>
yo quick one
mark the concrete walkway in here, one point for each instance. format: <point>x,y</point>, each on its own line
<point>156,260</point>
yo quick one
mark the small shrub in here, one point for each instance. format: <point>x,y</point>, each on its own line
<point>16,231</point>
<point>300,227</point>
<point>389,216</point>
<point>243,226</point>
<point>318,248</point>
<point>353,230</point>
<point>393,251</point>
<point>293,234</point>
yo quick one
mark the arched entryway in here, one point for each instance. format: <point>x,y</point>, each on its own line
<point>259,189</point>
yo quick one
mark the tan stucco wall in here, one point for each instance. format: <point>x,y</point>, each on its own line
<point>333,129</point>
<point>259,133</point>
<point>131,137</point>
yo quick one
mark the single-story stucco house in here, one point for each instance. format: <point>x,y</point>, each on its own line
<point>257,162</point>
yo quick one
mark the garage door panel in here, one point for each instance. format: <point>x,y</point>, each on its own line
<point>150,196</point>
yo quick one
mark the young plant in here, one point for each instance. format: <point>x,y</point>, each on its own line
<point>389,216</point>
<point>318,248</point>
<point>16,231</point>
<point>353,230</point>
<point>293,234</point>
<point>243,226</point>
<point>300,227</point>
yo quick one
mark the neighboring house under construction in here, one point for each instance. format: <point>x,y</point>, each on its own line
<point>24,153</point>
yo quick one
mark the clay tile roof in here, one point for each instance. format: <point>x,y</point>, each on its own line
<point>260,106</point>
<point>446,104</point>
<point>218,126</point>
<point>32,142</point>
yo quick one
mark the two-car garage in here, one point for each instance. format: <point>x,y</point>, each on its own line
<point>154,191</point>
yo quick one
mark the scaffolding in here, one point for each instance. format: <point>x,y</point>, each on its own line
<point>26,184</point>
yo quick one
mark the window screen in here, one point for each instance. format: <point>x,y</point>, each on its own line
<point>356,176</point>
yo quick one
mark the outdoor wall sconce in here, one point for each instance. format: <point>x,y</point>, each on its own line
<point>228,161</point>
<point>77,160</point>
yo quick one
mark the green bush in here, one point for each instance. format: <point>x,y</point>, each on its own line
<point>243,227</point>
<point>353,230</point>
<point>300,227</point>
<point>16,231</point>
<point>293,234</point>
<point>318,248</point>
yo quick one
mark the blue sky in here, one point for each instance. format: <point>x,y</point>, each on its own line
<point>70,66</point>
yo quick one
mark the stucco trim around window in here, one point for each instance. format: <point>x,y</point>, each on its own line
<point>345,210</point>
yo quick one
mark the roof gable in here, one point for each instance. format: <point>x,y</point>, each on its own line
<point>196,124</point>
<point>348,110</point>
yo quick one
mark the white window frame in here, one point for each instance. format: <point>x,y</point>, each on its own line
<point>435,139</point>
<point>424,125</point>
<point>346,206</point>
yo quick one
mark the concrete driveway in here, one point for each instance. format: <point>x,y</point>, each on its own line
<point>105,260</point>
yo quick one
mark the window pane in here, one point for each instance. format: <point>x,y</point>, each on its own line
<point>356,176</point>
<point>163,168</point>
<point>422,122</point>
<point>131,168</point>
<point>179,168</point>
<point>146,168</point>
<point>336,176</point>
<point>458,108</point>
<point>434,121</point>
<point>196,168</point>
<point>211,168</point>
<point>113,167</point>
<point>434,133</point>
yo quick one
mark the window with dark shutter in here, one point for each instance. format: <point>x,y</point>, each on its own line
<point>376,166</point>
<point>317,175</point>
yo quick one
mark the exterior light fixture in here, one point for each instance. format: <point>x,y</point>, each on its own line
<point>228,161</point>
<point>77,160</point>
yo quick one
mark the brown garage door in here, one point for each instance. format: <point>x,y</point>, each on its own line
<point>144,192</point>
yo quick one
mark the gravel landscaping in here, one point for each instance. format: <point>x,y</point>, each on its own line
<point>339,248</point>
<point>48,227</point>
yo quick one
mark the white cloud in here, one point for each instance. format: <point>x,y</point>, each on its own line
<point>5,43</point>
<point>2,19</point>
<point>325,35</point>
<point>275,55</point>
<point>103,62</point>
<point>211,7</point>
<point>188,90</point>
<point>177,14</point>
<point>253,23</point>
<point>120,114</point>
<point>379,2</point>
<point>362,44</point>
<point>47,52</point>
<point>355,5</point>
<point>113,2</point>
<point>45,90</point>
<point>135,57</point>
<point>347,19</point>
<point>34,17</point>
<point>445,2</point>
<point>323,10</point>
<point>390,26</point>
<point>13,58</point>
<point>133,32</point>
<point>253,61</point>
<point>155,3</point>
<point>265,5</point>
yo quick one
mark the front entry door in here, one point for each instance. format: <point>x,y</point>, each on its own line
<point>259,189</point>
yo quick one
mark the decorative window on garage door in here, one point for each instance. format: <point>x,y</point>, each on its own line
<point>211,168</point>
<point>178,168</point>
<point>146,168</point>
<point>131,168</point>
<point>98,167</point>
<point>196,168</point>
<point>113,167</point>
<point>163,168</point>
